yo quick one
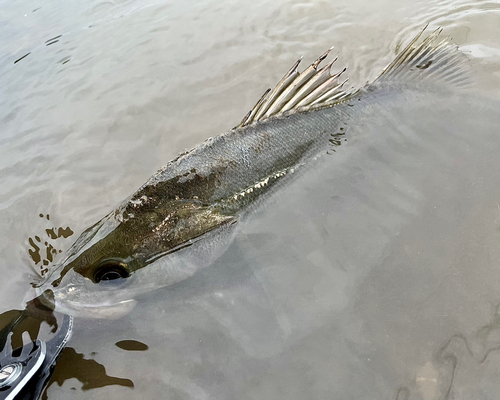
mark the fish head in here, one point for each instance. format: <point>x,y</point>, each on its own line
<point>134,250</point>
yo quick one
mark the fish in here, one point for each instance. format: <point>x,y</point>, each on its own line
<point>187,214</point>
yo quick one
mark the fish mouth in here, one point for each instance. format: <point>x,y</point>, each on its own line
<point>87,311</point>
<point>113,311</point>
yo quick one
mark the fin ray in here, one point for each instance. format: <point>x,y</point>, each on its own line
<point>299,91</point>
<point>430,60</point>
<point>278,89</point>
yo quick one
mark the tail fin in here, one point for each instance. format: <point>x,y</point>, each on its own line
<point>433,60</point>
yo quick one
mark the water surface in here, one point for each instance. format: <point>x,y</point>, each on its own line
<point>375,276</point>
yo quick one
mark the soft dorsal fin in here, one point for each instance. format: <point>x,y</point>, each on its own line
<point>433,60</point>
<point>311,88</point>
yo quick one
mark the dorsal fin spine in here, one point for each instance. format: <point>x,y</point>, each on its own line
<point>298,91</point>
<point>278,89</point>
<point>288,93</point>
<point>311,96</point>
<point>323,87</point>
<point>336,94</point>
<point>251,116</point>
<point>295,85</point>
<point>330,91</point>
<point>310,86</point>
<point>401,55</point>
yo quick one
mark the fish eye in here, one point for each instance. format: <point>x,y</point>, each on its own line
<point>111,270</point>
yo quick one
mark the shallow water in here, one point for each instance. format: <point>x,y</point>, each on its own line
<point>374,276</point>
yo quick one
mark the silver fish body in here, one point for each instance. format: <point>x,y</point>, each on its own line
<point>184,217</point>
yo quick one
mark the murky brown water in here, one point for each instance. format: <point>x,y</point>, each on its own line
<point>375,278</point>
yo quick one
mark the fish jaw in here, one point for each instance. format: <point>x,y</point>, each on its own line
<point>80,297</point>
<point>71,293</point>
<point>114,311</point>
<point>73,297</point>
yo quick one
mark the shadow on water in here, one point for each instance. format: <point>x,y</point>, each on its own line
<point>42,258</point>
<point>90,373</point>
<point>131,345</point>
<point>40,322</point>
<point>451,359</point>
<point>29,320</point>
<point>34,320</point>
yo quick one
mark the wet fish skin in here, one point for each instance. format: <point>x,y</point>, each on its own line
<point>184,217</point>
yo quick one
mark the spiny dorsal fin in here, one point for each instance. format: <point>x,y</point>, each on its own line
<point>300,91</point>
<point>433,60</point>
